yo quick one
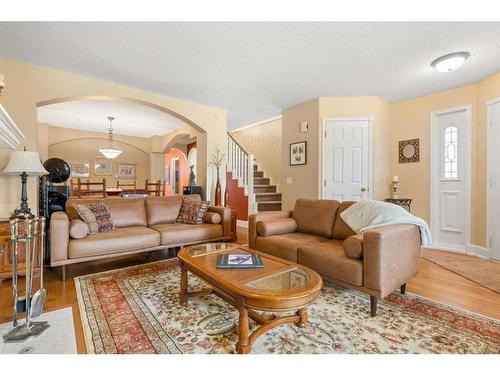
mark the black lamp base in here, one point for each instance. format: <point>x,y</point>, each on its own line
<point>23,211</point>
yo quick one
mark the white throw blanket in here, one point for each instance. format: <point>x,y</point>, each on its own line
<point>365,215</point>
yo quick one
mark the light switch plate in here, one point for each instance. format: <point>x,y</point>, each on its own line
<point>289,180</point>
<point>304,126</point>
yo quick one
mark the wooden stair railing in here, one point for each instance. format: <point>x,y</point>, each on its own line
<point>240,164</point>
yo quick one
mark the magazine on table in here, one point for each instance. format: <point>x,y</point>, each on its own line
<point>242,260</point>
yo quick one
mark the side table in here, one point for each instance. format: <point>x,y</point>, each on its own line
<point>403,202</point>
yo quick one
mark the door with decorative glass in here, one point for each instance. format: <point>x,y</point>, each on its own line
<point>450,178</point>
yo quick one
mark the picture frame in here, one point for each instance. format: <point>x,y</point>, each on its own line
<point>409,151</point>
<point>80,168</point>
<point>298,153</point>
<point>126,171</point>
<point>102,167</point>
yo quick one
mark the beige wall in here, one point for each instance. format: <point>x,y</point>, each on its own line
<point>306,178</point>
<point>27,85</point>
<point>73,145</point>
<point>264,141</point>
<point>411,119</point>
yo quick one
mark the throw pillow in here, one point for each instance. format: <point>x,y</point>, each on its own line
<point>192,211</point>
<point>78,229</point>
<point>97,217</point>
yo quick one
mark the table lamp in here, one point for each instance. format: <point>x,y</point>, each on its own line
<point>24,164</point>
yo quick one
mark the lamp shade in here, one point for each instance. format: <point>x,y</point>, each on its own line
<point>25,162</point>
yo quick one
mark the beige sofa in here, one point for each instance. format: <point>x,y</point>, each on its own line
<point>314,234</point>
<point>142,225</point>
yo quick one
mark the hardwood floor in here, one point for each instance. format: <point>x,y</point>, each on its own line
<point>433,282</point>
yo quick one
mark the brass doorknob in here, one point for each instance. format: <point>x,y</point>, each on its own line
<point>363,189</point>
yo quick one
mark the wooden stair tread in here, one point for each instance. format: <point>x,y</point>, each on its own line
<point>269,202</point>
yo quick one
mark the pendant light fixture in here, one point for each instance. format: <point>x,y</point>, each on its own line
<point>110,150</point>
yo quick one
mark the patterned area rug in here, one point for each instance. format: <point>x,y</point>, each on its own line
<point>137,310</point>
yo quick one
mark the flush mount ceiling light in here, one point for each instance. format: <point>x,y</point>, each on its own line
<point>110,150</point>
<point>451,62</point>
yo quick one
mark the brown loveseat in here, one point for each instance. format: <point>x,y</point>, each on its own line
<point>141,225</point>
<point>313,234</point>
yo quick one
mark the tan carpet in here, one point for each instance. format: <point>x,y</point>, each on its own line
<point>484,272</point>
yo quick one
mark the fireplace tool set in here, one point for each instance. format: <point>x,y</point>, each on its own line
<point>31,232</point>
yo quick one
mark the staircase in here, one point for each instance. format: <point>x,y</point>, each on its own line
<point>266,196</point>
<point>261,195</point>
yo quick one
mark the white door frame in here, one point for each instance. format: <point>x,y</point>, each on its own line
<point>435,175</point>
<point>172,174</point>
<point>322,135</point>
<point>489,163</point>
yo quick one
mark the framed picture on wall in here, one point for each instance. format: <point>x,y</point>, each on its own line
<point>102,167</point>
<point>80,168</point>
<point>298,153</point>
<point>126,170</point>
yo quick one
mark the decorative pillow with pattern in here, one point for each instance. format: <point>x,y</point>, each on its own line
<point>97,217</point>
<point>192,211</point>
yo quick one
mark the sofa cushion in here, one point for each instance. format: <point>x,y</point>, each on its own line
<point>353,246</point>
<point>286,245</point>
<point>315,216</point>
<point>78,229</point>
<point>127,212</point>
<point>163,210</point>
<point>124,212</point>
<point>275,227</point>
<point>118,240</point>
<point>212,218</point>
<point>340,230</point>
<point>329,259</point>
<point>178,233</point>
<point>192,211</point>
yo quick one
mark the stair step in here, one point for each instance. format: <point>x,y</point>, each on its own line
<point>258,173</point>
<point>261,181</point>
<point>264,188</point>
<point>268,197</point>
<point>269,206</point>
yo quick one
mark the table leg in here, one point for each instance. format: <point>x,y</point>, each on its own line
<point>243,345</point>
<point>184,285</point>
<point>302,313</point>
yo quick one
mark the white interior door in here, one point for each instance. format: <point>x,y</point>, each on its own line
<point>494,179</point>
<point>450,178</point>
<point>346,159</point>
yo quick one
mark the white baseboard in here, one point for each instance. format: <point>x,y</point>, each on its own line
<point>469,250</point>
<point>480,251</point>
<point>242,223</point>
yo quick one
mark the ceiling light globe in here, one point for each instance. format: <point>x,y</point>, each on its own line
<point>451,62</point>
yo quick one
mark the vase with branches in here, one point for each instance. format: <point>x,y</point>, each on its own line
<point>217,160</point>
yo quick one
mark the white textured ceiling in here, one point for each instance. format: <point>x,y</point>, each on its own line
<point>130,118</point>
<point>253,70</point>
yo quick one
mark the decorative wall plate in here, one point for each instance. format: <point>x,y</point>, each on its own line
<point>409,151</point>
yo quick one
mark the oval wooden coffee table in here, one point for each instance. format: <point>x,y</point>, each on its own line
<point>281,286</point>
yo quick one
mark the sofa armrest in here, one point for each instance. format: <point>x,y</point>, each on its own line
<point>391,256</point>
<point>254,219</point>
<point>225,214</point>
<point>59,236</point>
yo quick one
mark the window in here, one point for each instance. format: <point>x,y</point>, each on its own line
<point>451,152</point>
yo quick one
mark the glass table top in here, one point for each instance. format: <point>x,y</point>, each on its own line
<point>211,247</point>
<point>288,280</point>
